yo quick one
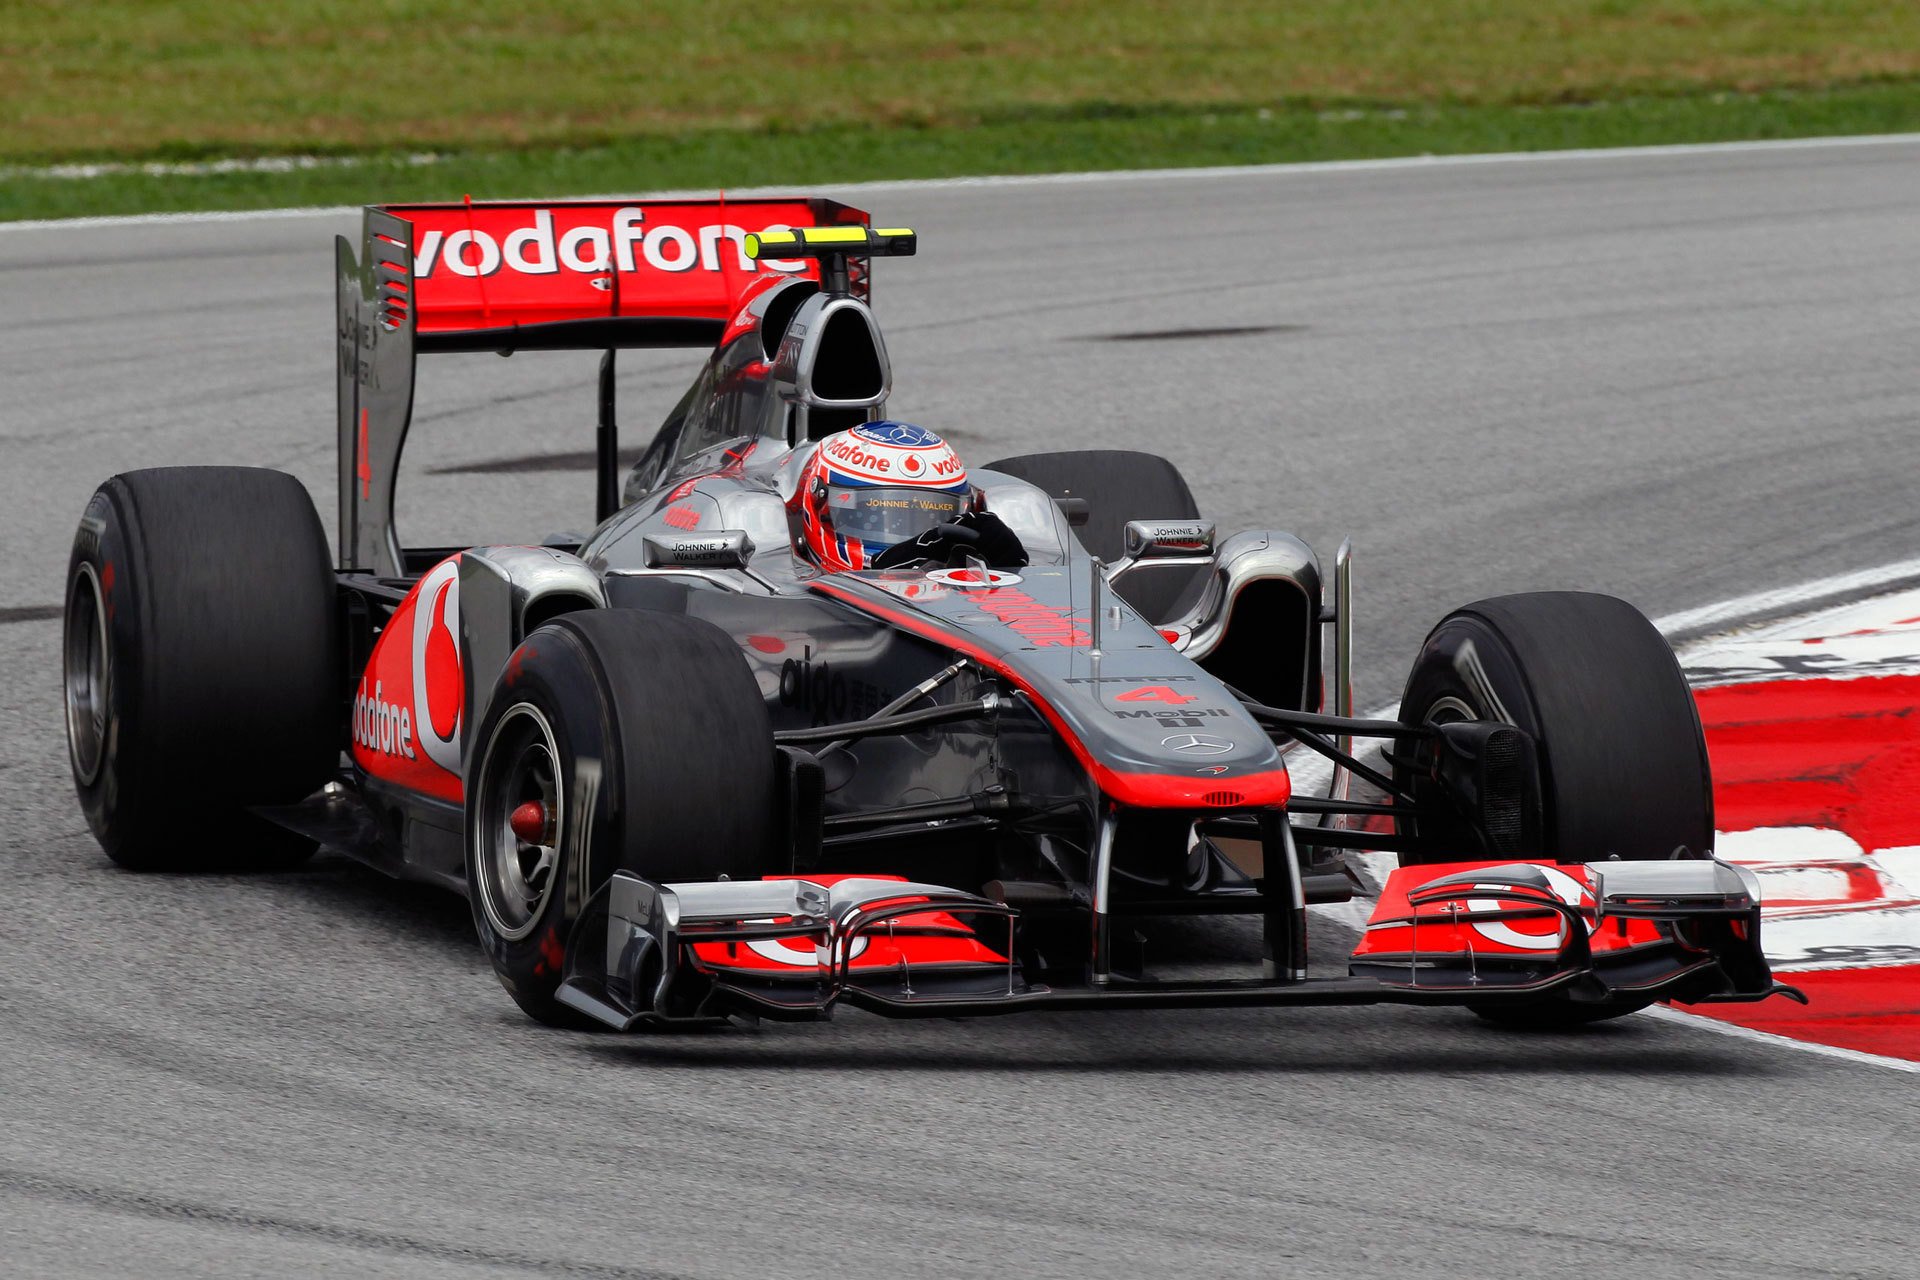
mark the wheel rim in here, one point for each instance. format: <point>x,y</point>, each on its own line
<point>515,877</point>
<point>1450,710</point>
<point>85,674</point>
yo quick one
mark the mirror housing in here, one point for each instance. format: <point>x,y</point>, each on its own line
<point>1168,539</point>
<point>721,549</point>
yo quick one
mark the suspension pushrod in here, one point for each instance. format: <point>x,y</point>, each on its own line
<point>986,803</point>
<point>1314,742</point>
<point>905,722</point>
<point>914,694</point>
<point>1324,837</point>
<point>1367,841</point>
<point>1347,808</point>
<point>1282,718</point>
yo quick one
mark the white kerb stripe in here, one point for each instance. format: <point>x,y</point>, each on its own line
<point>1719,1028</point>
<point>1731,613</point>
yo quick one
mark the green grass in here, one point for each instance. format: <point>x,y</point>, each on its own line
<point>576,96</point>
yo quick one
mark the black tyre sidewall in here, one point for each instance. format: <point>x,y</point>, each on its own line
<point>1119,485</point>
<point>666,766</point>
<point>120,787</point>
<point>1623,766</point>
<point>224,684</point>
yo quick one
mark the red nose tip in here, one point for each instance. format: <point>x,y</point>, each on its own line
<point>529,822</point>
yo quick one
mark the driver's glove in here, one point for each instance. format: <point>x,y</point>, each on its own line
<point>981,535</point>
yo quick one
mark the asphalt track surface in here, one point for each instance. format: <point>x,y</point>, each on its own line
<point>1677,378</point>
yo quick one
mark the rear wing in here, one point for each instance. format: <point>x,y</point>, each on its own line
<point>557,275</point>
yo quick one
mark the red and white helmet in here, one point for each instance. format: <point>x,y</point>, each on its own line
<point>866,489</point>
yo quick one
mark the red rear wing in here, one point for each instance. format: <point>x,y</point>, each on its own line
<point>496,276</point>
<point>555,275</point>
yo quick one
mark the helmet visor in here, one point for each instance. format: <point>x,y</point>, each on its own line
<point>881,517</point>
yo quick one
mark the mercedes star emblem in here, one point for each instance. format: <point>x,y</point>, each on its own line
<point>1198,744</point>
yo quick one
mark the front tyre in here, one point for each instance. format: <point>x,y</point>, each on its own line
<point>1623,761</point>
<point>616,739</point>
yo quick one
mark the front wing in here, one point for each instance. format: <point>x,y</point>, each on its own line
<point>1470,933</point>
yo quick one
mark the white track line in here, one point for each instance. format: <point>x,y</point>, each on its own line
<point>1303,168</point>
<point>1738,1032</point>
<point>207,168</point>
<point>180,219</point>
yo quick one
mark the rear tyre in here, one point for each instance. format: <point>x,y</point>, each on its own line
<point>645,740</point>
<point>1623,762</point>
<point>201,666</point>
<point>1119,485</point>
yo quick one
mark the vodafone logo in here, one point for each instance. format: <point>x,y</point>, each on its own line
<point>974,579</point>
<point>438,691</point>
<point>780,951</point>
<point>624,243</point>
<point>1565,888</point>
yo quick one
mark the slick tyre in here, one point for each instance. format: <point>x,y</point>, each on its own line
<point>1623,762</point>
<point>201,666</point>
<point>644,741</point>
<point>1119,485</point>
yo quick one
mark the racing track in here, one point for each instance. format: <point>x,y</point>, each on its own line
<point>1679,378</point>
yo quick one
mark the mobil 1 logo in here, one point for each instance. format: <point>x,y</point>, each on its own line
<point>1162,704</point>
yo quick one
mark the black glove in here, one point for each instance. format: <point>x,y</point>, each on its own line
<point>981,535</point>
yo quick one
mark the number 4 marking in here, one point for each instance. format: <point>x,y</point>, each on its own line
<point>1154,693</point>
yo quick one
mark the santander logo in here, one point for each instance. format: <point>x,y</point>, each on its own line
<point>624,243</point>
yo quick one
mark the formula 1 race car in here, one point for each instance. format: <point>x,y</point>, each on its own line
<point>683,772</point>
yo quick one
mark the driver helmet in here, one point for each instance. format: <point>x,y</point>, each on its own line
<point>866,489</point>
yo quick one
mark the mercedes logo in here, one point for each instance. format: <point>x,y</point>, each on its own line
<point>1198,744</point>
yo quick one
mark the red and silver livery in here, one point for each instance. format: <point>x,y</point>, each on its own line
<point>705,760</point>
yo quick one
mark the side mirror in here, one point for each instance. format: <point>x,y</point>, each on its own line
<point>1075,510</point>
<point>722,549</point>
<point>1166,539</point>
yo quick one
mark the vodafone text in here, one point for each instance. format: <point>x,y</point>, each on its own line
<point>1041,624</point>
<point>538,250</point>
<point>379,725</point>
<point>848,451</point>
